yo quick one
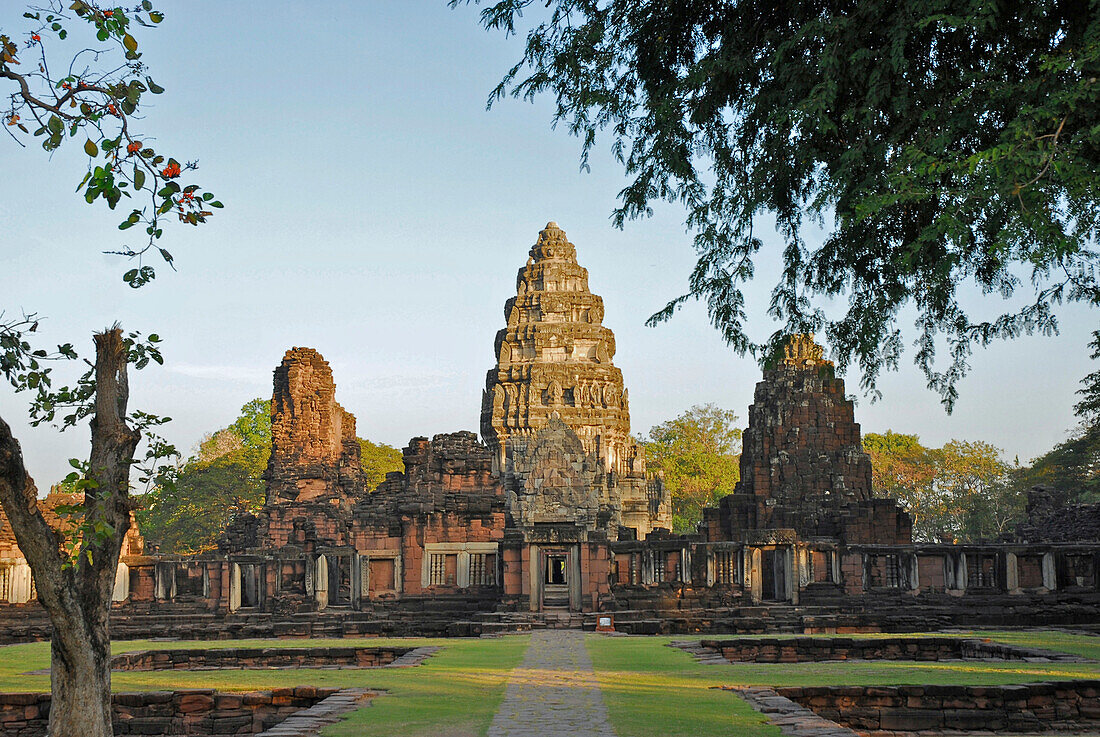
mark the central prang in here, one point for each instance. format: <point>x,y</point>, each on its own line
<point>554,379</point>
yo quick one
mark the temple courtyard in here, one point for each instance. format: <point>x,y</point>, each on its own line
<point>528,582</point>
<point>550,682</point>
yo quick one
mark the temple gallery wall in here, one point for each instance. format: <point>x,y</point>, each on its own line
<point>552,516</point>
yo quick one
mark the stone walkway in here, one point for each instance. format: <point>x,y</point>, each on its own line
<point>554,692</point>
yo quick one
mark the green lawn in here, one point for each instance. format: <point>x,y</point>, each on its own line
<point>650,688</point>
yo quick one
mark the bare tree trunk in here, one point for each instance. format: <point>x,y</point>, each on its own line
<point>77,594</point>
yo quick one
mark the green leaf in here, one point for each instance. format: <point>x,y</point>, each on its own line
<point>139,177</point>
<point>156,17</point>
<point>129,42</point>
<point>54,124</point>
<point>215,203</point>
<point>90,148</point>
<point>155,88</point>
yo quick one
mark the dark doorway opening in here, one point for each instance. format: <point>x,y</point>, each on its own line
<point>339,579</point>
<point>555,570</point>
<point>773,575</point>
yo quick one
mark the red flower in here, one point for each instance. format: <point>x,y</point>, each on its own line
<point>108,13</point>
<point>133,147</point>
<point>35,37</point>
<point>111,109</point>
<point>171,171</point>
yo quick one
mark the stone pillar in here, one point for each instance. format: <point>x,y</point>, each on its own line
<point>792,574</point>
<point>685,565</point>
<point>648,567</point>
<point>1050,573</point>
<point>914,573</point>
<point>535,568</point>
<point>573,560</point>
<point>21,583</point>
<point>756,576</point>
<point>121,590</point>
<point>462,570</point>
<point>961,573</point>
<point>358,585</point>
<point>320,582</point>
<point>1012,574</point>
<point>234,587</point>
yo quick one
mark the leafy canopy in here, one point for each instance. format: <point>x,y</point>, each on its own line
<point>960,492</point>
<point>98,95</point>
<point>699,453</point>
<point>936,144</point>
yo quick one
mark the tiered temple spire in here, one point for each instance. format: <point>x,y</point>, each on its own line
<point>554,357</point>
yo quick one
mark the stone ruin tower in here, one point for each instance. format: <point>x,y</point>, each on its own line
<point>803,468</point>
<point>314,451</point>
<point>554,364</point>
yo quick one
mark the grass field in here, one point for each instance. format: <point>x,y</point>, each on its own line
<point>650,688</point>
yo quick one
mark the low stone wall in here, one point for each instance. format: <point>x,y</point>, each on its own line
<point>1030,707</point>
<point>186,712</point>
<point>275,657</point>
<point>816,649</point>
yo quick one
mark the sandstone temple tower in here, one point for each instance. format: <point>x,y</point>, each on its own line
<point>555,414</point>
<point>554,356</point>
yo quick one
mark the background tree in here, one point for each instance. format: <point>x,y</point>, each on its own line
<point>902,468</point>
<point>698,452</point>
<point>377,460</point>
<point>936,144</point>
<point>93,97</point>
<point>960,492</point>
<point>974,479</point>
<point>190,507</point>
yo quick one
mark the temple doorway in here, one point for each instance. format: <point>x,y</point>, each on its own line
<point>774,575</point>
<point>559,578</point>
<point>556,570</point>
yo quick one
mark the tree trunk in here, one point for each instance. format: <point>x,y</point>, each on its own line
<point>77,593</point>
<point>80,677</point>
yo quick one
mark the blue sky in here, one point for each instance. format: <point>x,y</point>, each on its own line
<point>377,212</point>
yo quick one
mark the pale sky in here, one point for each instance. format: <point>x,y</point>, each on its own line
<point>377,212</point>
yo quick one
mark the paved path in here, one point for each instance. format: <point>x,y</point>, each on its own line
<point>554,692</point>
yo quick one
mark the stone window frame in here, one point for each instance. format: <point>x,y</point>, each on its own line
<point>984,575</point>
<point>437,568</point>
<point>166,576</point>
<point>727,567</point>
<point>462,564</point>
<point>896,573</point>
<point>237,569</point>
<point>365,558</point>
<point>482,572</point>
